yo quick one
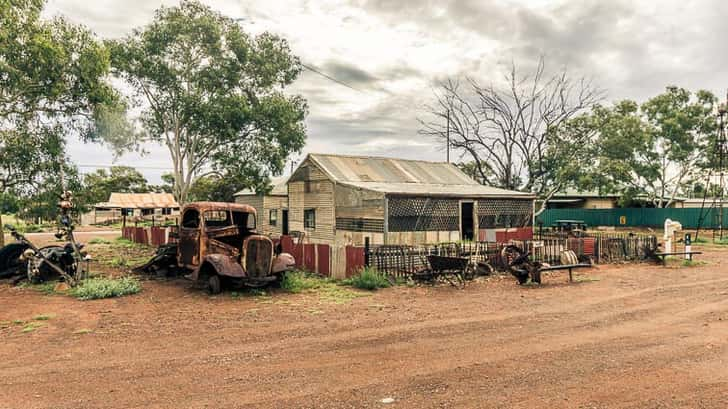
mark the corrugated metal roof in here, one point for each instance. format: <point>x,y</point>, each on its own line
<point>140,201</point>
<point>574,193</point>
<point>431,189</point>
<point>389,170</point>
<point>280,188</point>
<point>402,176</point>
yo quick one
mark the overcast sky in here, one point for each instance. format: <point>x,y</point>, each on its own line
<point>394,52</point>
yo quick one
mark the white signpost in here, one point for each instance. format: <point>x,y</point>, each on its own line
<point>670,228</point>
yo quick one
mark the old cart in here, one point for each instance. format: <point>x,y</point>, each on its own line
<point>449,267</point>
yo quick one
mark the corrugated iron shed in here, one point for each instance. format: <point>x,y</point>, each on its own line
<point>406,177</point>
<point>140,201</point>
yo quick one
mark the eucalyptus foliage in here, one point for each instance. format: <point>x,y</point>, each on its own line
<point>53,83</point>
<point>651,151</point>
<point>213,95</point>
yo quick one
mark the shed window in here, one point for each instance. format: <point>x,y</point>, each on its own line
<point>309,218</point>
<point>273,217</point>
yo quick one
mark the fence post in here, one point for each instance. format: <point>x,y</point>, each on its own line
<point>366,252</point>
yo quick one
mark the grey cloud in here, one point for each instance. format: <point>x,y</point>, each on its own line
<point>108,19</point>
<point>613,42</point>
<point>349,73</point>
<point>632,49</point>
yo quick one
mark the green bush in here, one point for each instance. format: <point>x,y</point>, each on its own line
<point>368,279</point>
<point>297,281</point>
<point>96,288</point>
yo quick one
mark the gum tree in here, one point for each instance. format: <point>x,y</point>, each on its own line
<point>506,133</point>
<point>213,95</point>
<point>654,150</point>
<point>52,84</point>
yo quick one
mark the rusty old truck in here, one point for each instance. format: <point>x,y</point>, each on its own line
<point>218,246</point>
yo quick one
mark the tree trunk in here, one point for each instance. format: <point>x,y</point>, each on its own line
<point>546,199</point>
<point>2,231</point>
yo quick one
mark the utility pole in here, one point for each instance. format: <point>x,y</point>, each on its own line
<point>721,163</point>
<point>448,135</point>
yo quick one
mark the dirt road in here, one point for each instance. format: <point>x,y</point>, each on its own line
<point>44,239</point>
<point>624,337</point>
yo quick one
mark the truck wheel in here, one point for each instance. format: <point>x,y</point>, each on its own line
<point>214,286</point>
<point>10,263</point>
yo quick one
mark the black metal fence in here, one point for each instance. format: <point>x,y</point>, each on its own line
<point>599,247</point>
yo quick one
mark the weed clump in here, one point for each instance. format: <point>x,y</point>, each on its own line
<point>31,327</point>
<point>693,263</point>
<point>368,279</point>
<point>298,281</point>
<point>99,240</point>
<point>97,288</point>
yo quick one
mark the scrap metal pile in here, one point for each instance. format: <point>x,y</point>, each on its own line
<point>23,260</point>
<point>520,265</point>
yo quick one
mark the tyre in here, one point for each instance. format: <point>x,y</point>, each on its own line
<point>469,273</point>
<point>484,269</point>
<point>214,284</point>
<point>10,263</point>
<point>54,254</point>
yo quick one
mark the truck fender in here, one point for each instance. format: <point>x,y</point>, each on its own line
<point>223,265</point>
<point>283,262</point>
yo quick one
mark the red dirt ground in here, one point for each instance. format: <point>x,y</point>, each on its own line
<point>631,336</point>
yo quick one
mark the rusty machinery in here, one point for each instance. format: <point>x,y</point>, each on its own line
<point>24,260</point>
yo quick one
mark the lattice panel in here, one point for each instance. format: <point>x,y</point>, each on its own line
<point>504,213</point>
<point>360,224</point>
<point>423,214</point>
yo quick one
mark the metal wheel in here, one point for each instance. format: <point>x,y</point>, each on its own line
<point>484,269</point>
<point>469,273</point>
<point>214,285</point>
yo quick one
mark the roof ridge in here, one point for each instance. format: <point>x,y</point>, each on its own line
<point>379,157</point>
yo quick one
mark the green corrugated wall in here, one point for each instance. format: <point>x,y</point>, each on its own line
<point>635,217</point>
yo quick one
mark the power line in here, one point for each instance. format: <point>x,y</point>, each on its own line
<point>342,83</point>
<point>307,66</point>
<point>315,70</point>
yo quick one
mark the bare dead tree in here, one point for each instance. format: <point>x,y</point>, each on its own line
<point>506,129</point>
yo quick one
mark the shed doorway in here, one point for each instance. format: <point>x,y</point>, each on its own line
<point>466,221</point>
<point>284,222</point>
